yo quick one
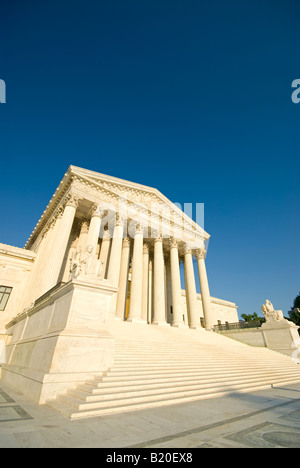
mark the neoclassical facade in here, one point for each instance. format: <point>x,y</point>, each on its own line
<point>101,311</point>
<point>121,234</point>
<point>104,252</point>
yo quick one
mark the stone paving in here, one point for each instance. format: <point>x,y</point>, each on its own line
<point>264,419</point>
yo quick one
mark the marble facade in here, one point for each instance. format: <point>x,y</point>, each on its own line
<point>86,231</point>
<point>103,248</point>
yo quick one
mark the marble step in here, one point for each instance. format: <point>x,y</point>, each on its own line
<point>115,402</point>
<point>155,372</point>
<point>89,410</point>
<point>151,373</point>
<point>136,391</point>
<point>112,376</point>
<point>186,365</point>
<point>96,387</point>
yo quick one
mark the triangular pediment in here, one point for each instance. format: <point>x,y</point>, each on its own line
<point>95,187</point>
<point>140,195</point>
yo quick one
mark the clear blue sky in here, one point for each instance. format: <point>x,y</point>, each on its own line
<point>191,97</point>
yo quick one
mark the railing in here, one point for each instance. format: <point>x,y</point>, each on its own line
<point>237,325</point>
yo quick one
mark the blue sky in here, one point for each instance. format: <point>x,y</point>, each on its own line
<point>190,97</point>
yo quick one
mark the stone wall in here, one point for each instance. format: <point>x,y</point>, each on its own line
<point>15,268</point>
<point>59,342</point>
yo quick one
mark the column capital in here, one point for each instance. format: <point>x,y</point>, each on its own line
<point>200,254</point>
<point>158,239</point>
<point>187,250</point>
<point>138,229</point>
<point>173,243</point>
<point>126,242</point>
<point>85,227</point>
<point>146,249</point>
<point>120,221</point>
<point>96,210</point>
<point>71,199</point>
<point>106,235</point>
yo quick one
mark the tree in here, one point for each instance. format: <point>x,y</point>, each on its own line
<point>296,304</point>
<point>294,314</point>
<point>252,318</point>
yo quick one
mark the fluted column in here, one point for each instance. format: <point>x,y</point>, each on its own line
<point>159,302</point>
<point>145,294</point>
<point>94,229</point>
<point>84,229</point>
<point>62,235</point>
<point>209,318</point>
<point>150,291</point>
<point>115,254</point>
<point>104,251</point>
<point>38,283</point>
<point>136,291</point>
<point>176,285</point>
<point>191,293</point>
<point>123,279</point>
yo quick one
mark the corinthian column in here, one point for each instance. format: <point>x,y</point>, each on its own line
<point>38,281</point>
<point>104,251</point>
<point>115,254</point>
<point>145,295</point>
<point>62,235</point>
<point>191,293</point>
<point>159,302</point>
<point>176,285</point>
<point>84,229</point>
<point>123,279</point>
<point>205,294</point>
<point>94,228</point>
<point>136,292</point>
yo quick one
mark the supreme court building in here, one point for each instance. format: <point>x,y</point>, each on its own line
<point>120,234</point>
<point>103,249</point>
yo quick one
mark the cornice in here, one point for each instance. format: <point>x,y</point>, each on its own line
<point>17,252</point>
<point>98,187</point>
<point>215,300</point>
<point>53,209</point>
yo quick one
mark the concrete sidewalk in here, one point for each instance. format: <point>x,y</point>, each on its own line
<point>268,418</point>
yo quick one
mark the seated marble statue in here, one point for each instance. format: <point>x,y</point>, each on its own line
<point>83,264</point>
<point>269,313</point>
<point>75,263</point>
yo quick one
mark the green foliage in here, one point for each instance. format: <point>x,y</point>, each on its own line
<point>252,318</point>
<point>294,315</point>
<point>296,304</point>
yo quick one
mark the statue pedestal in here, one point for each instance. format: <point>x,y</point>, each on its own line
<point>61,341</point>
<point>281,336</point>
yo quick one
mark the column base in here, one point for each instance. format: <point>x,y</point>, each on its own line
<point>114,317</point>
<point>179,325</point>
<point>196,327</point>
<point>161,324</point>
<point>136,320</point>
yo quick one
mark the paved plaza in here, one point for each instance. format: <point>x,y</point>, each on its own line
<point>264,419</point>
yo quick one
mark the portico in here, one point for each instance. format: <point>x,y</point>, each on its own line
<point>105,251</point>
<point>138,239</point>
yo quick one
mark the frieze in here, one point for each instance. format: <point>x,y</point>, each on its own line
<point>151,209</point>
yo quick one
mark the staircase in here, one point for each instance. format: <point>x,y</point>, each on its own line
<point>156,366</point>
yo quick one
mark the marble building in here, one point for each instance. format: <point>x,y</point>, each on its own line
<point>104,249</point>
<point>133,236</point>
